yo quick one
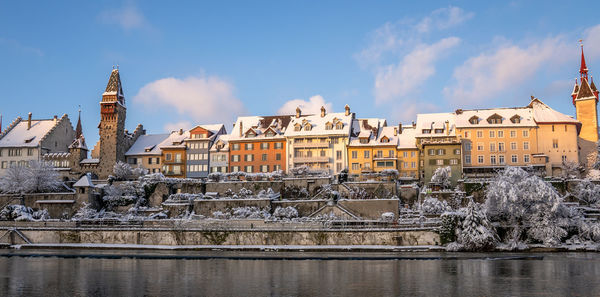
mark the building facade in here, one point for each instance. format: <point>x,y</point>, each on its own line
<point>408,153</point>
<point>145,152</point>
<point>363,144</point>
<point>258,144</point>
<point>198,147</point>
<point>173,154</point>
<point>319,141</point>
<point>219,154</point>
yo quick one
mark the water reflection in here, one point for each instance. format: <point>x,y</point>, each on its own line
<point>556,275</point>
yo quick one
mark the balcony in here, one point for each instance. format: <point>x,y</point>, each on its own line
<point>311,145</point>
<point>311,159</point>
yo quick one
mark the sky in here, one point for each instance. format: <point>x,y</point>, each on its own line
<point>185,63</point>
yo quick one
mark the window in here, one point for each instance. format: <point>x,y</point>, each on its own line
<point>413,164</point>
<point>264,168</point>
<point>493,159</point>
<point>426,131</point>
<point>235,147</point>
<point>30,152</point>
<point>526,145</point>
<point>492,146</point>
<point>513,145</point>
<point>453,161</point>
<point>439,131</point>
<point>367,154</point>
<point>554,143</point>
<point>379,154</point>
<point>480,159</point>
<point>367,165</point>
<point>336,140</point>
<point>322,153</point>
<point>480,134</point>
<point>278,157</point>
<point>249,146</point>
<point>278,145</point>
<point>501,147</point>
<point>297,127</point>
<point>309,154</point>
<point>235,158</point>
<point>513,134</point>
<point>249,158</point>
<point>264,157</point>
<point>441,152</point>
<point>552,128</point>
<point>474,120</point>
<point>525,133</point>
<point>249,169</point>
<point>364,140</point>
<point>355,166</point>
<point>338,166</point>
<point>391,153</point>
<point>307,128</point>
<point>526,158</point>
<point>235,168</point>
<point>439,162</point>
<point>329,126</point>
<point>514,159</point>
<point>338,155</point>
<point>178,158</point>
<point>354,154</point>
<point>467,134</point>
<point>480,146</point>
<point>457,151</point>
<point>564,159</point>
<point>500,134</point>
<point>168,157</point>
<point>501,159</point>
<point>4,164</point>
<point>467,159</point>
<point>431,152</point>
<point>339,126</point>
<point>492,134</point>
<point>467,146</point>
<point>405,154</point>
<point>264,146</point>
<point>515,119</point>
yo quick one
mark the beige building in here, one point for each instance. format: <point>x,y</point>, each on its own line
<point>29,140</point>
<point>145,152</point>
<point>319,141</point>
<point>407,152</point>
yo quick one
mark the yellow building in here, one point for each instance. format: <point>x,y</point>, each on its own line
<point>535,135</point>
<point>407,152</point>
<point>364,147</point>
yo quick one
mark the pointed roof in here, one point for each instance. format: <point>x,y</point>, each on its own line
<point>85,181</point>
<point>79,129</point>
<point>79,143</point>
<point>592,85</point>
<point>585,91</point>
<point>114,86</point>
<point>583,69</point>
<point>575,88</point>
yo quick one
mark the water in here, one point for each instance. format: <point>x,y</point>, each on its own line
<point>558,274</point>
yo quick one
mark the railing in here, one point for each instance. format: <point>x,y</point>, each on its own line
<point>310,159</point>
<point>311,144</point>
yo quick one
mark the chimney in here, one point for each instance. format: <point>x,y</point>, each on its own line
<point>395,131</point>
<point>347,108</point>
<point>447,127</point>
<point>29,121</point>
<point>180,131</point>
<point>400,128</point>
<point>322,111</point>
<point>414,124</point>
<point>241,128</point>
<point>298,112</point>
<point>55,118</point>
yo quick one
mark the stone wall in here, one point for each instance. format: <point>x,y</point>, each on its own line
<point>373,189</point>
<point>30,199</point>
<point>304,207</point>
<point>371,209</point>
<point>206,207</point>
<point>236,186</point>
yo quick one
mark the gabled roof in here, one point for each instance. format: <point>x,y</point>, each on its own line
<point>524,113</point>
<point>224,139</point>
<point>260,124</point>
<point>174,140</point>
<point>542,113</point>
<point>85,181</point>
<point>78,143</point>
<point>318,125</point>
<point>432,121</point>
<point>365,129</point>
<point>406,139</point>
<point>18,135</point>
<point>114,87</point>
<point>585,91</point>
<point>147,145</point>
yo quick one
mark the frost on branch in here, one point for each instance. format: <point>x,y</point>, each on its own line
<point>124,171</point>
<point>285,212</point>
<point>433,206</point>
<point>587,193</point>
<point>441,176</point>
<point>476,232</point>
<point>22,213</point>
<point>122,194</point>
<point>39,177</point>
<point>14,180</point>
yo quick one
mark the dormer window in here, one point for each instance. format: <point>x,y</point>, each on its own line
<point>474,120</point>
<point>364,140</point>
<point>297,127</point>
<point>426,131</point>
<point>329,126</point>
<point>516,119</point>
<point>385,140</point>
<point>339,126</point>
<point>439,131</point>
<point>270,133</point>
<point>495,119</point>
<point>307,127</point>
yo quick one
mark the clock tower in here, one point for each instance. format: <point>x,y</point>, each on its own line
<point>112,124</point>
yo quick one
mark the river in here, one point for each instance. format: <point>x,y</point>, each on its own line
<point>218,273</point>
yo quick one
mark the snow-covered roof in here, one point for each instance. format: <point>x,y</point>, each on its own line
<point>367,129</point>
<point>406,140</point>
<point>147,145</point>
<point>318,123</point>
<point>258,127</point>
<point>90,161</point>
<point>542,113</point>
<point>524,114</point>
<point>214,129</point>
<point>174,140</point>
<point>84,181</point>
<point>221,139</point>
<point>432,121</point>
<point>18,135</point>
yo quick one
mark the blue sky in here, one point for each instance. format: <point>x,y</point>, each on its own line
<point>194,62</point>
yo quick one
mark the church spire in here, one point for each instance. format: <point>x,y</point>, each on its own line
<point>583,70</point>
<point>114,89</point>
<point>78,130</point>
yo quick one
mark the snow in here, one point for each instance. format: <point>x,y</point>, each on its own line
<point>221,139</point>
<point>20,136</point>
<point>174,140</point>
<point>525,114</point>
<point>476,232</point>
<point>123,171</point>
<point>318,125</point>
<point>259,125</point>
<point>148,141</point>
<point>22,213</point>
<point>89,161</point>
<point>435,121</point>
<point>407,140</point>
<point>39,177</point>
<point>85,181</point>
<point>441,176</point>
<point>285,212</point>
<point>542,113</point>
<point>433,206</point>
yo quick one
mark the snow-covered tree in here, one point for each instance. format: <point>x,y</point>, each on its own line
<point>285,212</point>
<point>571,169</point>
<point>587,192</point>
<point>519,200</point>
<point>441,176</point>
<point>215,176</point>
<point>596,164</point>
<point>42,178</point>
<point>476,232</point>
<point>122,170</point>
<point>589,231</point>
<point>433,206</point>
<point>14,181</point>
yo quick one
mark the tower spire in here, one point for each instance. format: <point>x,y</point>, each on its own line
<point>583,70</point>
<point>78,130</point>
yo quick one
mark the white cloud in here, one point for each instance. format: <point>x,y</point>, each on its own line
<point>443,18</point>
<point>312,106</point>
<point>203,99</point>
<point>591,42</point>
<point>416,67</point>
<point>185,125</point>
<point>406,112</point>
<point>21,47</point>
<point>128,17</point>
<point>482,77</point>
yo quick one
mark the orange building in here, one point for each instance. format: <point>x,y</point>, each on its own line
<point>173,156</point>
<point>257,144</point>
